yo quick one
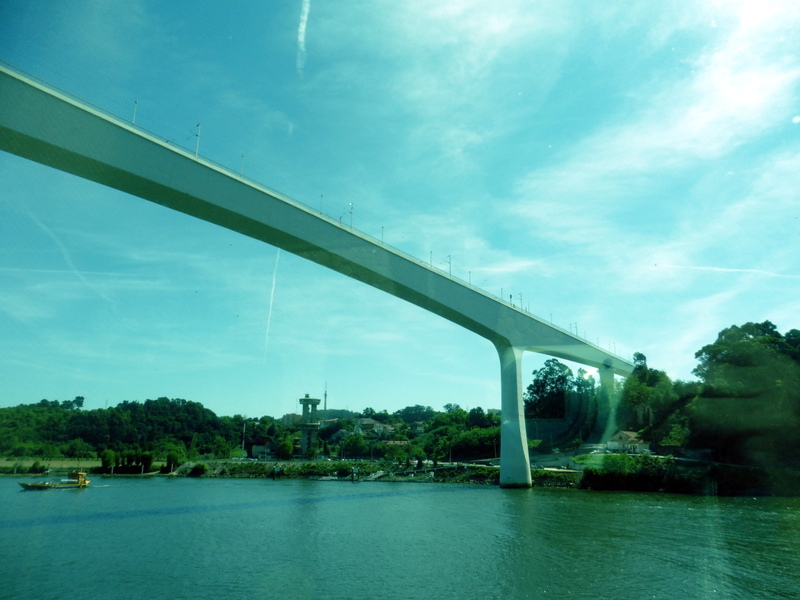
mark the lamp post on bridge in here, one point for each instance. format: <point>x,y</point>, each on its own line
<point>197,144</point>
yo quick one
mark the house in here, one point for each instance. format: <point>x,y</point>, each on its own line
<point>627,441</point>
<point>366,424</point>
<point>372,428</point>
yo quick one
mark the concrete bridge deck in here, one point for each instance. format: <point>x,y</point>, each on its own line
<point>48,127</point>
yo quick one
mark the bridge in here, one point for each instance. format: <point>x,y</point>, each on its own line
<point>43,125</point>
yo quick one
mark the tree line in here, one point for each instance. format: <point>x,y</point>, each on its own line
<point>744,408</point>
<point>132,435</point>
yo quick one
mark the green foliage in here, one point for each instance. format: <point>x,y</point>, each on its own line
<point>456,418</point>
<point>635,473</point>
<point>146,460</point>
<point>554,386</point>
<point>554,479</point>
<point>198,470</point>
<point>174,460</point>
<point>328,431</point>
<point>478,418</point>
<point>108,459</point>
<point>477,443</point>
<point>285,449</point>
<point>677,436</point>
<point>175,431</point>
<point>414,414</point>
<point>396,453</point>
<point>485,475</point>
<point>647,397</point>
<point>749,408</point>
<point>546,397</point>
<point>79,449</point>
<point>354,446</point>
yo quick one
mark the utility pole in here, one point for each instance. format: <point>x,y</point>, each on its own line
<point>197,145</point>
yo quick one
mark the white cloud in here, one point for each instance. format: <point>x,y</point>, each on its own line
<point>589,198</point>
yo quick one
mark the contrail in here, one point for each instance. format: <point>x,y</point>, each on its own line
<point>301,36</point>
<point>65,254</point>
<point>728,270</point>
<point>271,298</point>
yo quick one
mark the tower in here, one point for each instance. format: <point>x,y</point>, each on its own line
<point>309,425</point>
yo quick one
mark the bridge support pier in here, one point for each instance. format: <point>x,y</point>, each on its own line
<point>608,390</point>
<point>515,466</point>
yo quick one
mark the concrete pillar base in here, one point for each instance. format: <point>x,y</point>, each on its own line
<point>515,466</point>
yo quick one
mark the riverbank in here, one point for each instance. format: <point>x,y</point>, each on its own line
<point>704,479</point>
<point>366,471</point>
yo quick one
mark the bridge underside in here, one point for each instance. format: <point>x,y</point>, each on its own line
<point>44,126</point>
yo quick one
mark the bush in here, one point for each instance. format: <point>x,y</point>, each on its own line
<point>37,467</point>
<point>173,462</point>
<point>554,479</point>
<point>198,470</point>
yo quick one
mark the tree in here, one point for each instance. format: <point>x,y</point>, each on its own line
<point>547,395</point>
<point>725,362</point>
<point>418,453</point>
<point>353,446</point>
<point>285,449</point>
<point>78,449</point>
<point>146,460</point>
<point>477,418</point>
<point>382,416</point>
<point>327,432</point>
<point>647,396</point>
<point>107,459</point>
<point>174,459</point>
<point>396,453</point>
<point>749,407</point>
<point>456,418</point>
<point>412,414</point>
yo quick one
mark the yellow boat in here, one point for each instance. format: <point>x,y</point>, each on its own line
<point>76,479</point>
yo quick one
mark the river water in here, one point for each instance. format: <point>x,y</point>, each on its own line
<point>247,538</point>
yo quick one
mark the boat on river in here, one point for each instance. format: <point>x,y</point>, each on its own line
<point>76,479</point>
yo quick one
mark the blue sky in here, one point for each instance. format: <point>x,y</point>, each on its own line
<point>625,170</point>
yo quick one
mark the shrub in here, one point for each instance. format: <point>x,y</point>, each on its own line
<point>198,470</point>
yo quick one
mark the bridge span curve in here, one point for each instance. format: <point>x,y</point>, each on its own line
<point>42,125</point>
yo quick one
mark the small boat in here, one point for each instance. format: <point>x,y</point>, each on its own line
<point>76,479</point>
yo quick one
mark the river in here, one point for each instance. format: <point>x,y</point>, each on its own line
<point>252,538</point>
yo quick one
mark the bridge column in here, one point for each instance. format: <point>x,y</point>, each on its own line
<point>515,466</point>
<point>608,417</point>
